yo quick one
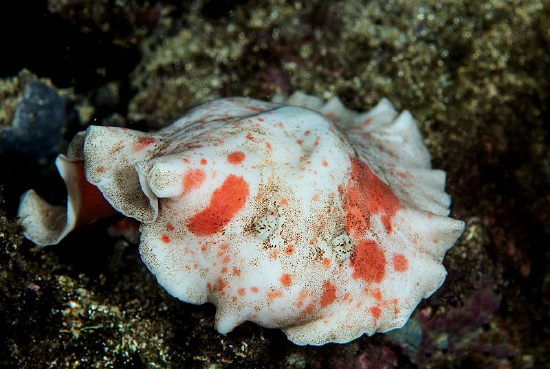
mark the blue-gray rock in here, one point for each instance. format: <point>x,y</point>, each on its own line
<point>38,122</point>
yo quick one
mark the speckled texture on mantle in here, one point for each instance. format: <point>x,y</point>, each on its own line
<point>473,74</point>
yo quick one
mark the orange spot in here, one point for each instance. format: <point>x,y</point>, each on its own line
<point>315,197</point>
<point>330,114</point>
<point>377,294</point>
<point>375,311</point>
<point>289,250</point>
<point>306,133</point>
<point>272,295</point>
<point>260,119</point>
<point>235,157</point>
<point>226,259</point>
<point>281,125</point>
<point>329,294</point>
<point>165,238</point>
<point>236,271</point>
<point>400,263</point>
<point>221,285</point>
<point>143,142</point>
<point>208,286</point>
<point>101,170</point>
<point>365,196</point>
<point>169,227</point>
<point>227,200</point>
<point>286,280</point>
<point>325,163</point>
<point>283,201</point>
<point>268,145</point>
<point>326,262</point>
<point>224,270</point>
<point>254,289</point>
<point>192,179</point>
<point>300,142</point>
<point>241,291</point>
<point>368,262</point>
<point>305,314</point>
<point>249,136</point>
<point>203,162</point>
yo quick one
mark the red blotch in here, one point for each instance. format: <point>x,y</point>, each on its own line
<point>329,294</point>
<point>93,205</point>
<point>221,285</point>
<point>235,157</point>
<point>254,289</point>
<point>143,142</point>
<point>192,179</point>
<point>400,263</point>
<point>101,170</point>
<point>272,295</point>
<point>289,250</point>
<point>306,133</point>
<point>307,312</point>
<point>377,294</point>
<point>236,271</point>
<point>268,145</point>
<point>375,311</point>
<point>260,119</point>
<point>165,238</point>
<point>365,196</point>
<point>226,201</point>
<point>241,291</point>
<point>249,136</point>
<point>325,163</point>
<point>170,227</point>
<point>368,262</point>
<point>286,280</point>
<point>203,162</point>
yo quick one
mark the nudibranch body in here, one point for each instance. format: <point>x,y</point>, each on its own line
<point>307,217</point>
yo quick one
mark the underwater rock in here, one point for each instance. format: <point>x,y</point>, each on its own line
<point>37,124</point>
